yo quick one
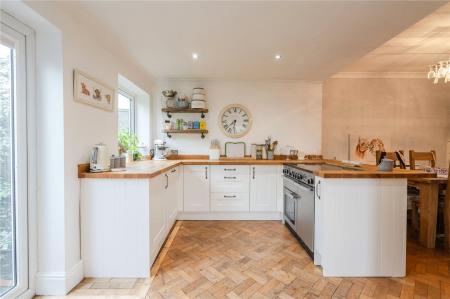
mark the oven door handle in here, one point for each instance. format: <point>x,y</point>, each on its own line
<point>305,188</point>
<point>291,194</point>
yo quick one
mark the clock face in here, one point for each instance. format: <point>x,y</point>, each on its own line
<point>235,120</point>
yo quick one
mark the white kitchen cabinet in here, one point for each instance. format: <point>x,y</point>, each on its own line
<point>172,195</point>
<point>263,188</point>
<point>158,213</point>
<point>196,188</point>
<point>230,188</point>
<point>229,202</point>
<point>226,195</point>
<point>124,223</point>
<point>360,227</point>
<point>115,227</point>
<point>230,179</point>
<point>318,222</point>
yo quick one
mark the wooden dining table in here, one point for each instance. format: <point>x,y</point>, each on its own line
<point>428,205</point>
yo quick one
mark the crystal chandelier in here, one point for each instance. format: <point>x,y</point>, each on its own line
<point>441,70</point>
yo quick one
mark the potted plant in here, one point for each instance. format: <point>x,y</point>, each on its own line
<point>128,144</point>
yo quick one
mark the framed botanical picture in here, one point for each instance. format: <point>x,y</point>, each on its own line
<point>90,91</point>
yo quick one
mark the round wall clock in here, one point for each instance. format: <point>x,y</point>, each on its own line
<point>235,120</point>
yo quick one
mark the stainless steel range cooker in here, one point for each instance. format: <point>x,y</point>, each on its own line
<point>298,190</point>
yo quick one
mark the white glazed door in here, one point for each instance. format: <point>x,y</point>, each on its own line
<point>14,138</point>
<point>196,188</point>
<point>263,188</point>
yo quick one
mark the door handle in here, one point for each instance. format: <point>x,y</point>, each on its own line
<point>253,172</point>
<point>317,190</point>
<point>167,181</point>
<point>229,196</point>
<point>229,169</point>
<point>291,194</point>
<point>206,172</point>
<point>230,177</point>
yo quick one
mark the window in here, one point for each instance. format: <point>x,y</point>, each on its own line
<point>13,158</point>
<point>126,117</point>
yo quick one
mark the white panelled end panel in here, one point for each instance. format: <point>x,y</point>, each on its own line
<point>362,227</point>
<point>114,223</point>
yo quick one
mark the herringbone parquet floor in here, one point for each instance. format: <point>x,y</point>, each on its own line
<point>261,259</point>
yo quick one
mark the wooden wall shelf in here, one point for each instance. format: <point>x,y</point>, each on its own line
<point>189,131</point>
<point>170,111</point>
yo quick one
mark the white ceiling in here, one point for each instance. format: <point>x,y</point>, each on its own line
<point>423,44</point>
<point>238,40</point>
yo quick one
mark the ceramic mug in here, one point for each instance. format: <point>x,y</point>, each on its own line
<point>386,165</point>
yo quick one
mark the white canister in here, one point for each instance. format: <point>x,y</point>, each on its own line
<point>198,90</point>
<point>198,104</point>
<point>214,154</point>
<point>198,96</point>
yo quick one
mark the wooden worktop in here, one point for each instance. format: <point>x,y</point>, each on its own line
<point>152,168</point>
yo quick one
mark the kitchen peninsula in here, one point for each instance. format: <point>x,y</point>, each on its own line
<point>126,216</point>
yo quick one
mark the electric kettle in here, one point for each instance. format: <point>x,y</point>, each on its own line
<point>99,161</point>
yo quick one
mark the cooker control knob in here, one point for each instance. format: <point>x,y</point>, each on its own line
<point>310,181</point>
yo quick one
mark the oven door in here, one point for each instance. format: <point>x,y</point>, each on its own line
<point>305,216</point>
<point>290,207</point>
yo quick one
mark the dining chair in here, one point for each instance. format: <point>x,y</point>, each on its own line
<point>421,156</point>
<point>313,157</point>
<point>413,198</point>
<point>391,155</point>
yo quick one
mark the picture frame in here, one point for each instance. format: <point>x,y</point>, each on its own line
<point>92,92</point>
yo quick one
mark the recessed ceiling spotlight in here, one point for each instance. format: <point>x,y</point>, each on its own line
<point>277,56</point>
<point>194,56</point>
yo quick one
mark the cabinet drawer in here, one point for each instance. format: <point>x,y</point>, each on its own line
<point>224,170</point>
<point>225,202</point>
<point>233,183</point>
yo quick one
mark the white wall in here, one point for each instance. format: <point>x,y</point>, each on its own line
<point>71,129</point>
<point>289,111</point>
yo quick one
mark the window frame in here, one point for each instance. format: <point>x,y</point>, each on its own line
<point>26,130</point>
<point>132,99</point>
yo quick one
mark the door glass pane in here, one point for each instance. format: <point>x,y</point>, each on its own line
<point>8,263</point>
<point>124,108</point>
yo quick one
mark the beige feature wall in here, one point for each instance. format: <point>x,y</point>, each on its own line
<point>405,113</point>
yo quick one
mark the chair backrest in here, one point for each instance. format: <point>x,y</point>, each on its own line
<point>422,156</point>
<point>390,155</point>
<point>313,157</point>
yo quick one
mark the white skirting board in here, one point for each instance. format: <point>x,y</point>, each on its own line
<point>229,216</point>
<point>59,283</point>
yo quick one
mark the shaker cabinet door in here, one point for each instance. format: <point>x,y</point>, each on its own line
<point>172,196</point>
<point>196,188</point>
<point>158,215</point>
<point>263,188</point>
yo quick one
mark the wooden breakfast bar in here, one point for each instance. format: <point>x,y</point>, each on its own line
<point>428,205</point>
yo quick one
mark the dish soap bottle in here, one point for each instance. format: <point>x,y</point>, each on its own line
<point>202,124</point>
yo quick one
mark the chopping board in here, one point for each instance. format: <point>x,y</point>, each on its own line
<point>234,149</point>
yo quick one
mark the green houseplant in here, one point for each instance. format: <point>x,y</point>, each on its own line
<point>128,143</point>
